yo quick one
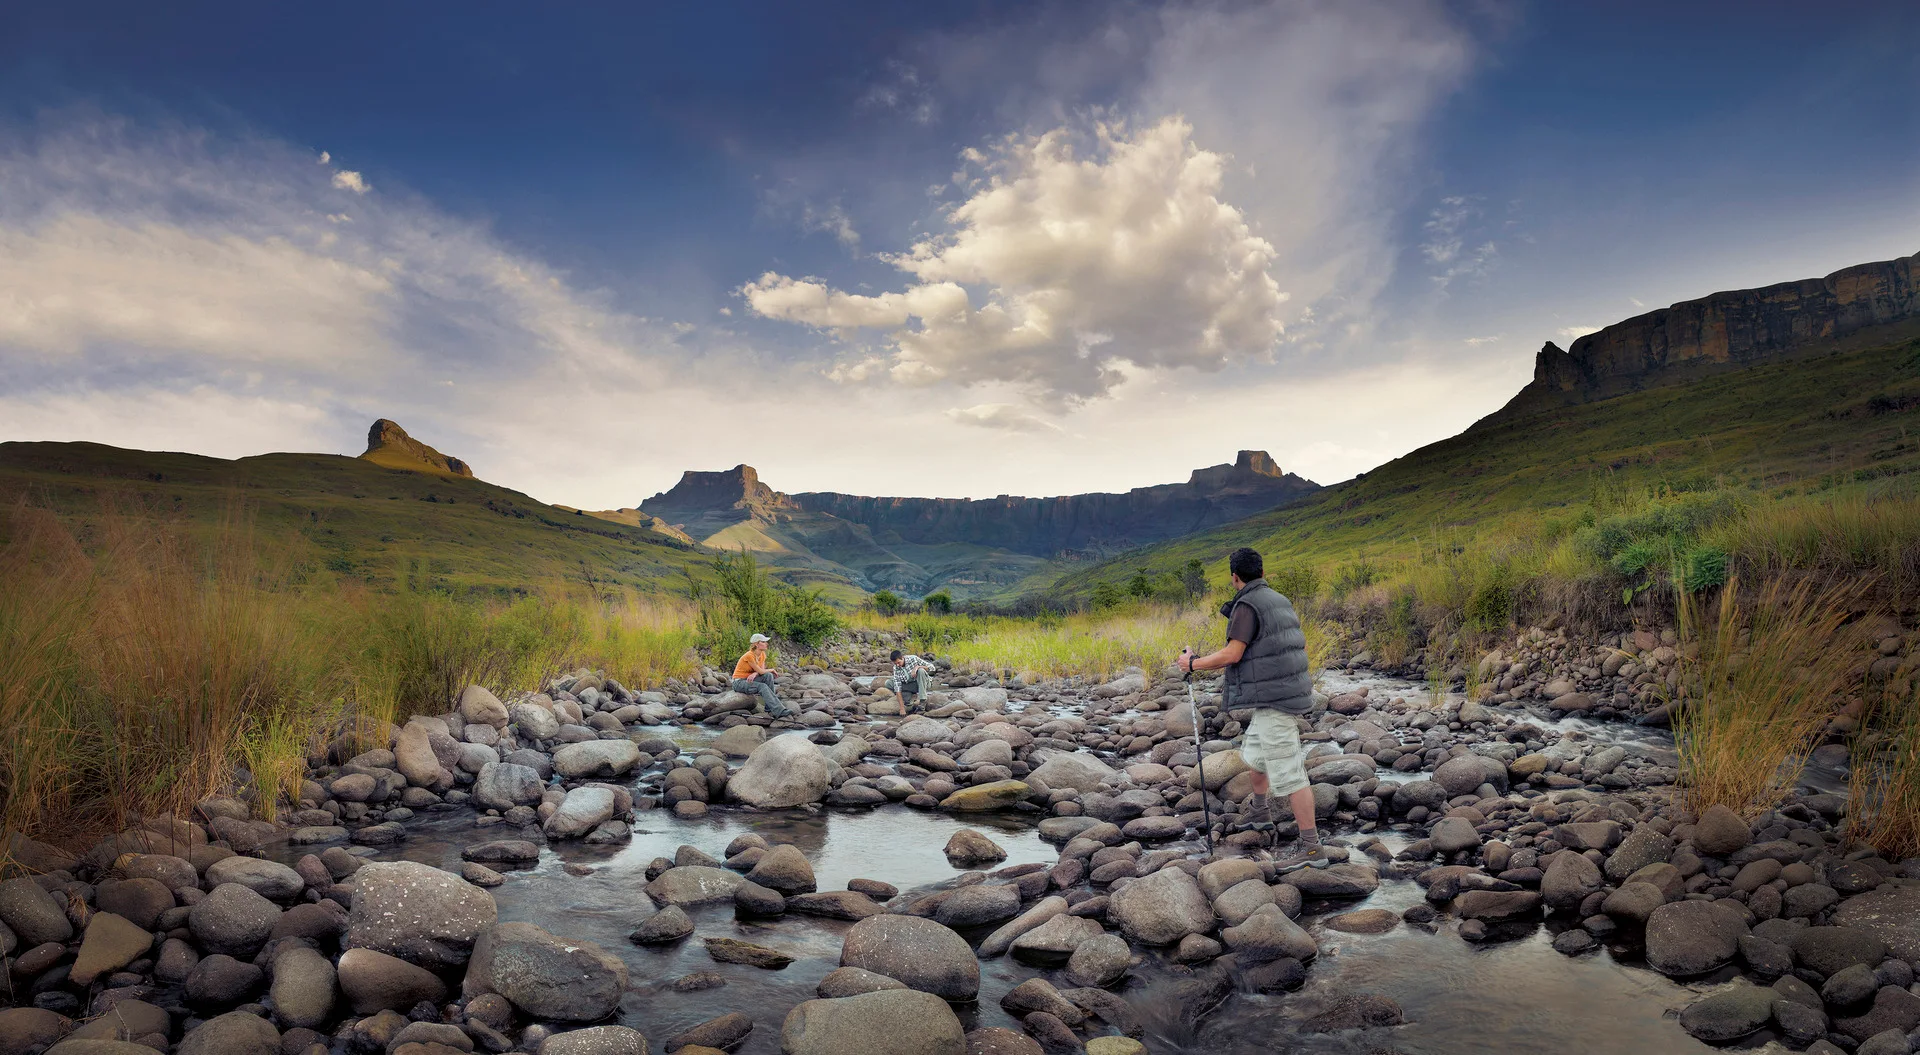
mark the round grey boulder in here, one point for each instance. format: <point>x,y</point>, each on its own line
<point>234,1033</point>
<point>419,913</point>
<point>269,879</point>
<point>1160,909</point>
<point>1688,938</point>
<point>885,1022</point>
<point>921,953</point>
<point>234,920</point>
<point>544,976</point>
<point>785,771</point>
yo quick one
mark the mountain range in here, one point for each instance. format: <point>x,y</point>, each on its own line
<point>1799,381</point>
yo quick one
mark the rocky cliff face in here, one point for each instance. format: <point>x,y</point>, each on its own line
<point>1035,526</point>
<point>388,444</point>
<point>1854,307</point>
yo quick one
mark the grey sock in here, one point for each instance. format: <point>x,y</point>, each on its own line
<point>1273,811</point>
<point>1309,838</point>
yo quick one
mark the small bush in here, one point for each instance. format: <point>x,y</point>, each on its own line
<point>1193,579</point>
<point>1704,568</point>
<point>1298,582</point>
<point>939,601</point>
<point>886,602</point>
<point>1140,586</point>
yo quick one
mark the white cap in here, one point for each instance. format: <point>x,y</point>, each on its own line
<point>756,639</point>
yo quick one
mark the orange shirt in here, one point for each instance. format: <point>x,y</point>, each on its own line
<point>748,666</point>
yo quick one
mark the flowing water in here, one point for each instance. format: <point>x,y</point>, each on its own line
<point>1513,995</point>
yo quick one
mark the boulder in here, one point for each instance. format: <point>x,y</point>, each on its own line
<point>921,731</point>
<point>269,879</point>
<point>785,771</point>
<point>978,905</point>
<point>1569,878</point>
<point>968,848</point>
<point>694,885</point>
<point>234,1033</point>
<point>1720,832</point>
<point>739,741</point>
<point>596,759</point>
<point>884,1022</point>
<point>418,913</point>
<point>1077,770</point>
<point>544,976</point>
<point>534,721</point>
<point>479,705</point>
<point>596,1040</point>
<point>32,913</point>
<point>1160,909</point>
<point>991,796</point>
<point>111,942</point>
<point>374,981</point>
<point>416,759</point>
<point>1687,938</point>
<point>504,785</point>
<point>921,953</point>
<point>785,869</point>
<point>584,809</point>
<point>303,987</point>
<point>234,920</point>
<point>1269,935</point>
<point>1454,834</point>
<point>1891,913</point>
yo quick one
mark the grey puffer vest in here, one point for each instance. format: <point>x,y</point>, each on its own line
<point>1273,671</point>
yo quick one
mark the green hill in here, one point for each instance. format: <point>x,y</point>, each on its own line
<point>387,527</point>
<point>1831,426</point>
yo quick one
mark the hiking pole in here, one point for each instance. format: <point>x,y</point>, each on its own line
<point>1199,758</point>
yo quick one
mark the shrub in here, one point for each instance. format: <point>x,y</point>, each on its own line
<point>1704,568</point>
<point>938,601</point>
<point>1105,595</point>
<point>886,602</point>
<point>1355,575</point>
<point>1193,578</point>
<point>1299,582</point>
<point>1140,586</point>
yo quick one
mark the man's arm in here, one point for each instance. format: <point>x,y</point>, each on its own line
<point>1225,657</point>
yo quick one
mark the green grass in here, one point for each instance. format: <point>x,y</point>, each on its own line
<point>1812,463</point>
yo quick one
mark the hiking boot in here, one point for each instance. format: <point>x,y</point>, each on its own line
<point>1314,856</point>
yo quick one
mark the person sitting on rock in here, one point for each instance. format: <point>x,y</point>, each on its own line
<point>1266,672</point>
<point>909,669</point>
<point>753,675</point>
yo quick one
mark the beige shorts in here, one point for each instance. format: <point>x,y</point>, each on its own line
<point>1272,746</point>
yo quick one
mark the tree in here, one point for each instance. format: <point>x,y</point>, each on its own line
<point>1194,578</point>
<point>886,602</point>
<point>1140,586</point>
<point>1105,595</point>
<point>938,601</point>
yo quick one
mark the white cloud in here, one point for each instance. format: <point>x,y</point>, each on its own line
<point>1008,416</point>
<point>325,157</point>
<point>901,90</point>
<point>1575,332</point>
<point>1082,263</point>
<point>346,179</point>
<point>1478,341</point>
<point>1446,242</point>
<point>833,220</point>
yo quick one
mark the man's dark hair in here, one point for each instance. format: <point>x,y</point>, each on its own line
<point>1246,564</point>
<point>895,656</point>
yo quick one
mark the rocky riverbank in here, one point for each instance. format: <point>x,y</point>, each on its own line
<point>182,935</point>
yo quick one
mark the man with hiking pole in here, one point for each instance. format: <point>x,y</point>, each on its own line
<point>1265,662</point>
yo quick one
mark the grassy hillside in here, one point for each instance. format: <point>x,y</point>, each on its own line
<point>386,527</point>
<point>1808,435</point>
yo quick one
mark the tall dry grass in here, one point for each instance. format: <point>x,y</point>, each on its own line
<point>150,667</point>
<point>1760,678</point>
<point>1884,794</point>
<point>1097,645</point>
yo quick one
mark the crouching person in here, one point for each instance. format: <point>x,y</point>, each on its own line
<point>753,675</point>
<point>909,671</point>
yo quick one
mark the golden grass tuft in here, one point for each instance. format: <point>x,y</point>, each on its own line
<point>1884,794</point>
<point>1759,680</point>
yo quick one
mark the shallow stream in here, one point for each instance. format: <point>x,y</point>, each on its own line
<point>1514,995</point>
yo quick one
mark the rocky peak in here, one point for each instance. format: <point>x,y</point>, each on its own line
<point>1854,307</point>
<point>388,444</point>
<point>735,488</point>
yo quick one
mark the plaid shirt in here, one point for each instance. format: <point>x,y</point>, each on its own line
<point>910,665</point>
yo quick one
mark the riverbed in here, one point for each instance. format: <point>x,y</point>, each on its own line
<point>1457,998</point>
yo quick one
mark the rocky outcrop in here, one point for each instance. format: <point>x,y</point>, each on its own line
<point>706,502</point>
<point>389,445</point>
<point>1854,307</point>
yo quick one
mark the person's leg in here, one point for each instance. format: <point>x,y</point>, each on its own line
<point>920,690</point>
<point>1287,777</point>
<point>774,706</point>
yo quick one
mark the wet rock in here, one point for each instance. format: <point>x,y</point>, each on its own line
<point>1100,961</point>
<point>923,954</point>
<point>1729,1014</point>
<point>1355,1011</point>
<point>1269,935</point>
<point>978,905</point>
<point>1454,834</point>
<point>991,796</point>
<point>546,976</point>
<point>732,950</point>
<point>479,704</point>
<point>1349,879</point>
<point>1236,903</point>
<point>968,848</point>
<point>31,1029</point>
<point>269,879</point>
<point>784,868</point>
<point>1002,939</point>
<point>718,1033</point>
<point>1829,950</point>
<point>1891,913</point>
<point>1495,906</point>
<point>232,919</point>
<point>739,741</point>
<point>1568,880</point>
<point>785,771</point>
<point>219,982</point>
<point>419,913</point>
<point>1850,986</point>
<point>852,981</point>
<point>1053,942</point>
<point>1365,921</point>
<point>596,1040</point>
<point>992,1040</point>
<point>834,904</point>
<point>1688,938</point>
<point>1720,832</point>
<point>888,1022</point>
<point>584,809</point>
<point>374,981</point>
<point>1642,846</point>
<point>234,1033</point>
<point>1634,902</point>
<point>1160,909</point>
<point>668,925</point>
<point>1893,1008</point>
<point>693,885</point>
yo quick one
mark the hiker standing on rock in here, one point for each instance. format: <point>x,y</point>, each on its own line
<point>1266,672</point>
<point>909,669</point>
<point>752,674</point>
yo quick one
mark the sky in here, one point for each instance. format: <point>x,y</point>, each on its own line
<point>958,249</point>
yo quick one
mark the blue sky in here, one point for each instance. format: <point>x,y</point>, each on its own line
<point>954,249</point>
